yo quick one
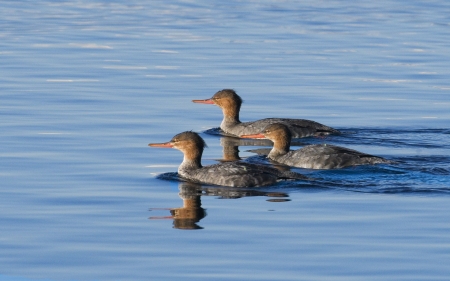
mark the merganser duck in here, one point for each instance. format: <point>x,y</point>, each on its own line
<point>235,174</point>
<point>230,103</point>
<point>316,156</point>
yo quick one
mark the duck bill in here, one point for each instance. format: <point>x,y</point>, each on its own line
<point>164,145</point>
<point>254,136</point>
<point>207,101</point>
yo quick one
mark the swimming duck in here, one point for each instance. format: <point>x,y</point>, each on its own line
<point>235,174</point>
<point>315,156</point>
<point>230,103</point>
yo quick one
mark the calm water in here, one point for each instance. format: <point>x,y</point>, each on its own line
<point>86,85</point>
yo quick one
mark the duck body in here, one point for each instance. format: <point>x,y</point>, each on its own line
<point>316,156</point>
<point>325,156</point>
<point>230,103</point>
<point>299,128</point>
<point>234,174</point>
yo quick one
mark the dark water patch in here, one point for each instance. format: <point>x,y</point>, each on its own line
<point>439,171</point>
<point>385,186</point>
<point>432,164</point>
<point>171,176</point>
<point>260,151</point>
<point>418,191</point>
<point>258,159</point>
<point>408,183</point>
<point>381,178</point>
<point>234,193</point>
<point>397,138</point>
<point>217,132</point>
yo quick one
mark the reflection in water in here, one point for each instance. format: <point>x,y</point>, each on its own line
<point>231,193</point>
<point>187,216</point>
<point>231,146</point>
<point>231,151</point>
<point>260,151</point>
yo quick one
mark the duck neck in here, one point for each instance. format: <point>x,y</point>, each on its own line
<point>191,161</point>
<point>280,148</point>
<point>230,115</point>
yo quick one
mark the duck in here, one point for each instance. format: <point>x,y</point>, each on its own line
<point>230,103</point>
<point>315,156</point>
<point>233,174</point>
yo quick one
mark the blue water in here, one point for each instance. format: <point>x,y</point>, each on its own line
<point>86,85</point>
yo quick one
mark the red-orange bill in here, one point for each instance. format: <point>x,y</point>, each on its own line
<point>166,144</point>
<point>207,101</point>
<point>254,136</point>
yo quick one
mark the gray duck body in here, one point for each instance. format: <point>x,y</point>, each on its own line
<point>236,174</point>
<point>299,128</point>
<point>325,156</point>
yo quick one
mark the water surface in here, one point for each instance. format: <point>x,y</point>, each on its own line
<point>86,85</point>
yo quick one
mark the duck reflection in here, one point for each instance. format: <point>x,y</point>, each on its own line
<point>231,147</point>
<point>187,216</point>
<point>231,151</point>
